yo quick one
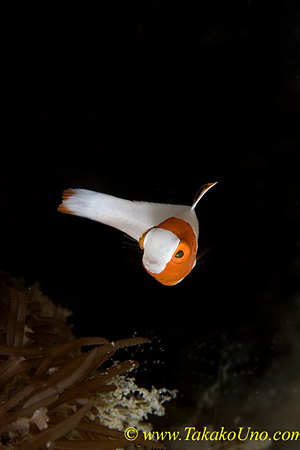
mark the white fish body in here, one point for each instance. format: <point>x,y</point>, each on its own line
<point>167,234</point>
<point>131,217</point>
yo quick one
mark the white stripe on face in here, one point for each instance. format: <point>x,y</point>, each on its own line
<point>159,246</point>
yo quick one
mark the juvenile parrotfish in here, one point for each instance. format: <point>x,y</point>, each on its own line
<point>167,234</point>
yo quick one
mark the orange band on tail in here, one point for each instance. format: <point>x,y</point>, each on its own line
<point>63,207</point>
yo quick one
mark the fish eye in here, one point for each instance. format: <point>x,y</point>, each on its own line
<point>182,253</point>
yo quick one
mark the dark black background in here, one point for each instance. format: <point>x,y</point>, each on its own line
<point>148,100</point>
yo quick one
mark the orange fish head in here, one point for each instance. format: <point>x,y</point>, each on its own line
<point>170,250</point>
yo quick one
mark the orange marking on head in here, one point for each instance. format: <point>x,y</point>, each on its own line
<point>63,207</point>
<point>183,259</point>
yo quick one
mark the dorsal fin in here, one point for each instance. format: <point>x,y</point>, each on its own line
<point>201,192</point>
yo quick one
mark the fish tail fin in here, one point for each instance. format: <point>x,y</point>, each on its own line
<point>65,207</point>
<point>83,203</point>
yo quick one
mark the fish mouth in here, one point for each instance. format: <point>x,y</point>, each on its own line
<point>171,283</point>
<point>154,267</point>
